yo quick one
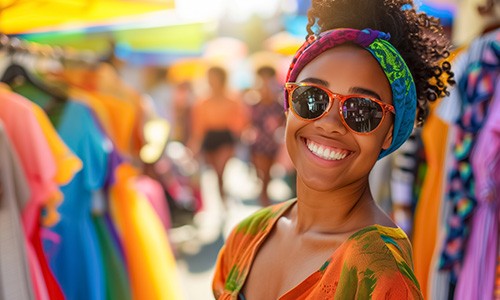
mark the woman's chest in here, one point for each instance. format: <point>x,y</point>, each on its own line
<point>283,263</point>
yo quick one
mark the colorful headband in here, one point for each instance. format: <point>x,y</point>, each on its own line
<point>404,95</point>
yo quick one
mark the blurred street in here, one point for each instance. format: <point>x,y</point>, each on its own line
<point>199,245</point>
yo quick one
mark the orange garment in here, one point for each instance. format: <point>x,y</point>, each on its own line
<point>426,222</point>
<point>373,263</point>
<point>122,116</point>
<point>67,164</point>
<point>98,108</point>
<point>150,261</point>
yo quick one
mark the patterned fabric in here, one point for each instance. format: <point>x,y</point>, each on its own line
<point>266,118</point>
<point>402,85</point>
<point>477,277</point>
<point>374,263</point>
<point>476,81</point>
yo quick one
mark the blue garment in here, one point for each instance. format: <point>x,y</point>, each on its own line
<point>77,261</point>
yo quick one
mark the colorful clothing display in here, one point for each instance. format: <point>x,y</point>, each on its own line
<point>375,261</point>
<point>476,72</point>
<point>57,237</point>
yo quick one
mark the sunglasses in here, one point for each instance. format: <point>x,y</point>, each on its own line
<point>360,113</point>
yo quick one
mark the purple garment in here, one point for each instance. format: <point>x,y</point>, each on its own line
<point>477,278</point>
<point>115,159</point>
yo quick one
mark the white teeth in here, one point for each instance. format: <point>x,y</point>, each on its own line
<point>320,151</point>
<point>325,153</point>
<point>333,155</point>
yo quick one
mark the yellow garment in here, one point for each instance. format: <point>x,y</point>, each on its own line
<point>67,164</point>
<point>150,261</point>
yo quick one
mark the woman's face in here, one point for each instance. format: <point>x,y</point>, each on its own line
<point>344,70</point>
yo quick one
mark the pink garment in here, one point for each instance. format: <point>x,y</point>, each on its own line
<point>477,278</point>
<point>156,196</point>
<point>39,167</point>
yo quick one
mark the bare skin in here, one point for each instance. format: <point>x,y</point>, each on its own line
<point>218,160</point>
<point>263,164</point>
<point>334,199</point>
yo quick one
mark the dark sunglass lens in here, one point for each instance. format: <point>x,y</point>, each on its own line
<point>309,102</point>
<point>362,114</point>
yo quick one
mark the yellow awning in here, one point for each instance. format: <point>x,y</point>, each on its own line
<point>22,16</point>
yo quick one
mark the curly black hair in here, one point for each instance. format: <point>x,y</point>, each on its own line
<point>419,38</point>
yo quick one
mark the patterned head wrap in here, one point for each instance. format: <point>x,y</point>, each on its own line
<point>404,95</point>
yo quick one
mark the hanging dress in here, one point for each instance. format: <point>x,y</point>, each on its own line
<point>15,279</point>
<point>76,260</point>
<point>150,261</point>
<point>39,167</point>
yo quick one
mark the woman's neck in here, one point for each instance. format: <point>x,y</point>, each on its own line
<point>335,212</point>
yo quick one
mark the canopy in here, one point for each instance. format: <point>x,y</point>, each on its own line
<point>18,16</point>
<point>185,39</point>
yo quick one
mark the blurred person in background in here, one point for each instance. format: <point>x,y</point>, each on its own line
<point>159,88</point>
<point>218,120</point>
<point>267,117</point>
<point>182,101</point>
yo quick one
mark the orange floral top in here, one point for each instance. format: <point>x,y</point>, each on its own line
<point>373,263</point>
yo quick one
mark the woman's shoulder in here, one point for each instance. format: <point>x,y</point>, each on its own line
<point>380,243</point>
<point>263,219</point>
<point>371,264</point>
<point>253,227</point>
<point>381,255</point>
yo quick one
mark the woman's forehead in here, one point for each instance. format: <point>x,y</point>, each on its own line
<point>346,67</point>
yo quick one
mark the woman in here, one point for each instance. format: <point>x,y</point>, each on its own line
<point>352,95</point>
<point>217,123</point>
<point>266,118</point>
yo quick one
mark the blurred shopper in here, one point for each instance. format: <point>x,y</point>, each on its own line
<point>182,101</point>
<point>267,117</point>
<point>217,122</point>
<point>158,87</point>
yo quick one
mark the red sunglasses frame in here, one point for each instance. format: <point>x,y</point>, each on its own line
<point>292,86</point>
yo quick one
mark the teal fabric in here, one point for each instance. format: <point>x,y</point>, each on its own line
<point>77,262</point>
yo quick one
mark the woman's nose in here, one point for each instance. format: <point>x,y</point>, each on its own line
<point>331,122</point>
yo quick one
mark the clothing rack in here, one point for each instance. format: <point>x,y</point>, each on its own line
<point>15,45</point>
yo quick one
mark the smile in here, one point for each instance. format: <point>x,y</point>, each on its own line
<point>325,152</point>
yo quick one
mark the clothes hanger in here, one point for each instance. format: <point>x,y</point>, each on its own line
<point>16,73</point>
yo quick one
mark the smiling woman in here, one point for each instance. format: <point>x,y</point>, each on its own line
<point>352,95</point>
